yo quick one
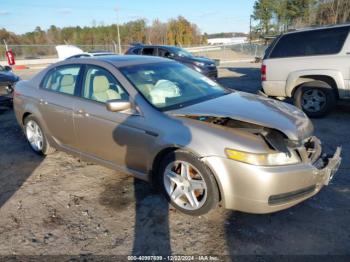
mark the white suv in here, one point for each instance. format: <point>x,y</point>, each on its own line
<point>312,66</point>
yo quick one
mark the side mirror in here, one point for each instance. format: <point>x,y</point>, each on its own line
<point>117,105</point>
<point>8,68</point>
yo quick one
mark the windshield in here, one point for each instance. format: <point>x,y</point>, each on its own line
<point>182,52</point>
<point>172,85</point>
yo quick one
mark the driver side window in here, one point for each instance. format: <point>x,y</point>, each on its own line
<point>101,86</point>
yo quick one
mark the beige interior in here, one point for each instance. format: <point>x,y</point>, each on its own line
<point>101,90</point>
<point>145,89</point>
<point>67,84</point>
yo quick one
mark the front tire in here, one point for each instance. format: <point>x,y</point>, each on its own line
<point>36,137</point>
<point>188,184</point>
<point>315,98</point>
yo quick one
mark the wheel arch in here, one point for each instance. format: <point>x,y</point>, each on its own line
<point>312,78</point>
<point>24,116</point>
<point>33,111</point>
<point>165,151</point>
<point>159,157</point>
<point>331,77</point>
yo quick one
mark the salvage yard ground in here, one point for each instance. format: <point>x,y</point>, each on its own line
<point>60,205</point>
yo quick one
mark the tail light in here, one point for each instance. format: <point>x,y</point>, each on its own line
<point>263,73</point>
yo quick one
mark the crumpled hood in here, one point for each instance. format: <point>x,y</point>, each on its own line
<point>254,109</point>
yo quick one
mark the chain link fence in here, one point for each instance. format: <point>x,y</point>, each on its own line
<point>49,51</point>
<point>234,52</point>
<point>217,52</point>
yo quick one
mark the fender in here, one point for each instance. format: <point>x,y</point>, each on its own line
<point>33,110</point>
<point>299,77</point>
<point>156,150</point>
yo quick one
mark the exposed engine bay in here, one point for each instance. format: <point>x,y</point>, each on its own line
<point>276,140</point>
<point>309,150</point>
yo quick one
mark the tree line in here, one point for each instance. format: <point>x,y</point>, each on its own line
<point>177,31</point>
<point>276,16</point>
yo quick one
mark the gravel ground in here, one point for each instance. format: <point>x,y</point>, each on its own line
<point>59,205</point>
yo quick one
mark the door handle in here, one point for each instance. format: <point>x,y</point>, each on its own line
<point>82,113</point>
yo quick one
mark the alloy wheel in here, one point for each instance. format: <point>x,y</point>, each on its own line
<point>34,135</point>
<point>185,185</point>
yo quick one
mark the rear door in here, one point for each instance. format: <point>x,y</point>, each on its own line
<point>56,101</point>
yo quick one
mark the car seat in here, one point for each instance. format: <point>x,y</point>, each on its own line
<point>101,90</point>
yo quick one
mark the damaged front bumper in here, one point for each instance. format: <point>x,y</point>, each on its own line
<point>329,166</point>
<point>262,189</point>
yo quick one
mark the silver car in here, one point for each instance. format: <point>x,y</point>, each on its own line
<point>163,122</point>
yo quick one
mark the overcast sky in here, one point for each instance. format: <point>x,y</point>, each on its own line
<point>211,16</point>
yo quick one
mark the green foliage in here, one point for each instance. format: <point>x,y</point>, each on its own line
<point>275,16</point>
<point>263,11</point>
<point>177,31</point>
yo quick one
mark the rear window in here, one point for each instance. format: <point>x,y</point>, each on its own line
<point>318,42</point>
<point>62,79</point>
<point>136,50</point>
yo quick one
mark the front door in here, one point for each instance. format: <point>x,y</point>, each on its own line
<point>114,137</point>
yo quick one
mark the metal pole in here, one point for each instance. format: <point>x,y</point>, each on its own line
<point>115,46</point>
<point>256,50</point>
<point>250,29</point>
<point>5,45</point>
<point>118,33</point>
<point>119,45</point>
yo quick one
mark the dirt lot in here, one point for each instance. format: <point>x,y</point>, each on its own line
<point>60,205</point>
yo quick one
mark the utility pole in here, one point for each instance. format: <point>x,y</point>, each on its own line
<point>6,47</point>
<point>118,33</point>
<point>250,29</point>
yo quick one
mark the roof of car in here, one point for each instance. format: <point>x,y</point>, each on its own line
<point>126,60</point>
<point>164,46</point>
<point>317,28</point>
<point>100,52</point>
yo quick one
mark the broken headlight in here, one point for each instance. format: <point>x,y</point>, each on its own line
<point>268,159</point>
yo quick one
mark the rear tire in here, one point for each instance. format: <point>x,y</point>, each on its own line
<point>36,138</point>
<point>315,98</point>
<point>187,183</point>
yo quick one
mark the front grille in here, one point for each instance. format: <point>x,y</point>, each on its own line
<point>286,197</point>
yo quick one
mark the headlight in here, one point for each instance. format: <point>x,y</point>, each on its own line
<point>199,64</point>
<point>273,159</point>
